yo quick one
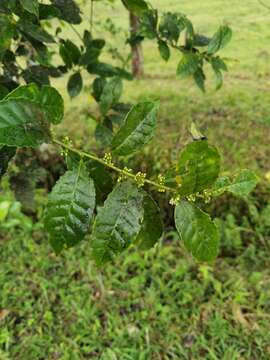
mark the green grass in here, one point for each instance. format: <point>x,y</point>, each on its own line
<point>161,304</point>
<point>157,305</point>
<point>235,118</point>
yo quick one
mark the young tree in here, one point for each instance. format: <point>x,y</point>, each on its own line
<point>118,211</point>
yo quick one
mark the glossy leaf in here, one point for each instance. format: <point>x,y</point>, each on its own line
<point>137,7</point>
<point>29,92</point>
<point>164,50</point>
<point>152,225</point>
<point>118,222</point>
<point>111,94</point>
<point>52,103</point>
<point>98,173</point>
<point>188,65</point>
<point>98,87</point>
<point>200,78</point>
<point>108,70</point>
<point>103,135</point>
<point>6,154</point>
<point>70,208</point>
<point>242,184</point>
<point>47,97</point>
<point>69,53</point>
<point>35,31</point>
<point>197,231</point>
<point>137,130</point>
<point>22,123</point>
<point>102,179</point>
<point>198,167</point>
<point>31,6</point>
<point>75,84</point>
<point>221,38</point>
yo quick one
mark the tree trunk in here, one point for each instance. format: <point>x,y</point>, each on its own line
<point>136,49</point>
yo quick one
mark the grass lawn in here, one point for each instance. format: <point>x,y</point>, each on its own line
<point>160,304</point>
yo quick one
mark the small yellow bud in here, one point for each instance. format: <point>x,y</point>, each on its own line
<point>140,178</point>
<point>161,182</point>
<point>175,200</point>
<point>108,159</point>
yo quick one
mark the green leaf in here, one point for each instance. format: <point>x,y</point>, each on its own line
<point>4,209</point>
<point>137,130</point>
<point>29,92</point>
<point>197,231</point>
<point>52,103</point>
<point>6,33</point>
<point>47,12</point>
<point>108,70</point>
<point>218,66</point>
<point>6,154</point>
<point>102,179</point>
<point>198,167</point>
<point>242,184</point>
<point>201,40</point>
<point>171,26</point>
<point>148,24</point>
<point>221,38</point>
<point>70,209</point>
<point>103,134</point>
<point>164,50</point>
<point>92,53</point>
<point>221,185</point>
<point>75,84</point>
<point>35,31</point>
<point>98,173</point>
<point>38,74</point>
<point>69,11</point>
<point>22,123</point>
<point>152,226</point>
<point>118,222</point>
<point>31,6</point>
<point>111,94</point>
<point>7,6</point>
<point>63,52</point>
<point>138,7</point>
<point>199,78</point>
<point>188,65</point>
<point>48,98</point>
<point>98,87</point>
<point>69,53</point>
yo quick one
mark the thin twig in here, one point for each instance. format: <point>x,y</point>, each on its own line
<point>112,166</point>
